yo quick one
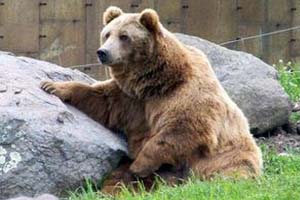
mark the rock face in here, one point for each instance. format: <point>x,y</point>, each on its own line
<point>45,145</point>
<point>250,82</point>
<point>42,197</point>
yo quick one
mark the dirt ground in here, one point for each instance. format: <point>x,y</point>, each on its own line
<point>281,140</point>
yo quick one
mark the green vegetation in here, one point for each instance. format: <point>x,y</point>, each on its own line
<point>295,117</point>
<point>281,180</point>
<point>289,77</point>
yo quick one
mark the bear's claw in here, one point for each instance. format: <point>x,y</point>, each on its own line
<point>47,86</point>
<point>57,89</point>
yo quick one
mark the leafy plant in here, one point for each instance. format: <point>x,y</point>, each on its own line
<point>289,77</point>
<point>295,117</point>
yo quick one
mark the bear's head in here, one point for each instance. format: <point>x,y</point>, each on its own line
<point>128,38</point>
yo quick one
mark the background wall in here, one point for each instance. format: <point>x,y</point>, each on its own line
<point>67,32</point>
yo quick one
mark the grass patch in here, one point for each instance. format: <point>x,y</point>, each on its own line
<point>289,77</point>
<point>295,117</point>
<point>281,181</point>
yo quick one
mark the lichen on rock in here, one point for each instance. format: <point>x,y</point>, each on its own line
<point>8,160</point>
<point>14,159</point>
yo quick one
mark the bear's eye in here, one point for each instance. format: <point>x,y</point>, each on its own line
<point>124,38</point>
<point>107,35</point>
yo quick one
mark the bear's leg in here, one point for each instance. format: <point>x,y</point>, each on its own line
<point>122,177</point>
<point>161,149</point>
<point>234,163</point>
<point>90,100</point>
<point>66,91</point>
<point>104,101</point>
<point>119,177</point>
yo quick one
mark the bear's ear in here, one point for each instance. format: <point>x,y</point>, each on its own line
<point>149,18</point>
<point>111,13</point>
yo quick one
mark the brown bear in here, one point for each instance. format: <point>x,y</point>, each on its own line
<point>165,96</point>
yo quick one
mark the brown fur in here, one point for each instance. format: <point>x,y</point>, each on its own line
<point>169,103</point>
<point>111,13</point>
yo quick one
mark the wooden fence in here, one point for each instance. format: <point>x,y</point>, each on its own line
<point>67,31</point>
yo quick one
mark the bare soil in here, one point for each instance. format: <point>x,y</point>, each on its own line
<point>281,140</point>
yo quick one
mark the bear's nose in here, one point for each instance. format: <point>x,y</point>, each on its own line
<point>103,55</point>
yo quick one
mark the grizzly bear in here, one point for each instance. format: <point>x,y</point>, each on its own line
<point>166,98</point>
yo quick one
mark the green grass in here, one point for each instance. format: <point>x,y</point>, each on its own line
<point>289,77</point>
<point>281,181</point>
<point>295,117</point>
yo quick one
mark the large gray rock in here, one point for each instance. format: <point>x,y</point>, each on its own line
<point>250,82</point>
<point>41,197</point>
<point>47,146</point>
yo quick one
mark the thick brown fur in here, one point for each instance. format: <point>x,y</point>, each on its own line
<point>169,103</point>
<point>111,13</point>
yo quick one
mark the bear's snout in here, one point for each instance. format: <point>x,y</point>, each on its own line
<point>104,56</point>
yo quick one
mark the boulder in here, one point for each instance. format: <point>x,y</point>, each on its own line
<point>250,82</point>
<point>47,146</point>
<point>41,197</point>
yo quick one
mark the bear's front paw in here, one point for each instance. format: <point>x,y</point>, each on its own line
<point>57,89</point>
